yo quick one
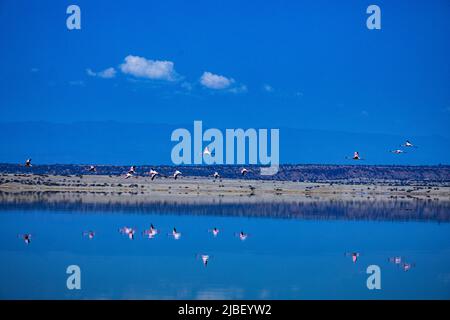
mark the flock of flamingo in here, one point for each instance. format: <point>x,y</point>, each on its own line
<point>407,144</point>
<point>152,232</point>
<point>153,173</point>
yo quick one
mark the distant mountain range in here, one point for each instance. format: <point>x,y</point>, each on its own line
<point>117,143</point>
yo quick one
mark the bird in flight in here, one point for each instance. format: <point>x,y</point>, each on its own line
<point>128,175</point>
<point>175,234</point>
<point>26,237</point>
<point>90,234</point>
<point>176,174</point>
<point>354,255</point>
<point>151,232</point>
<point>128,231</point>
<point>356,156</point>
<point>132,170</point>
<point>92,169</point>
<point>204,258</point>
<point>216,175</point>
<point>244,171</point>
<point>206,151</point>
<point>28,163</point>
<point>214,231</point>
<point>242,235</point>
<point>153,174</point>
<point>408,144</point>
<point>407,266</point>
<point>396,260</point>
<point>398,151</point>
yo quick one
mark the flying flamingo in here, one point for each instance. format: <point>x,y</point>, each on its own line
<point>354,255</point>
<point>396,260</point>
<point>407,266</point>
<point>398,151</point>
<point>175,234</point>
<point>176,174</point>
<point>153,174</point>
<point>132,170</point>
<point>355,156</point>
<point>408,144</point>
<point>128,231</point>
<point>214,231</point>
<point>205,258</point>
<point>152,232</point>
<point>26,238</point>
<point>90,234</point>
<point>206,151</point>
<point>242,235</point>
<point>128,175</point>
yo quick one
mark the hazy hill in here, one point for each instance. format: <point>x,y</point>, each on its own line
<point>139,143</point>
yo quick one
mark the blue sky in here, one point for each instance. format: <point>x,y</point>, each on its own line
<point>273,64</point>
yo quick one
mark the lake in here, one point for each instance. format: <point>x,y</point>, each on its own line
<point>293,250</point>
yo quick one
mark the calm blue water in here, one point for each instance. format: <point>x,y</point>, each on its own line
<point>281,259</point>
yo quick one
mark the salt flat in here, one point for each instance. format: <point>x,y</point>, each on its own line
<point>99,188</point>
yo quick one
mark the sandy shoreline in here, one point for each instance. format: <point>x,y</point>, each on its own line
<point>99,188</point>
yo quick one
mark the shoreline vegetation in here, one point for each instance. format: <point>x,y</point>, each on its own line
<point>430,175</point>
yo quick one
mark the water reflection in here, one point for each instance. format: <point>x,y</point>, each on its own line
<point>311,250</point>
<point>318,209</point>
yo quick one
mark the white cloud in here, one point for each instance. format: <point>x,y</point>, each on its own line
<point>240,89</point>
<point>268,88</point>
<point>151,69</point>
<point>90,72</point>
<point>186,85</point>
<point>106,74</point>
<point>215,81</point>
